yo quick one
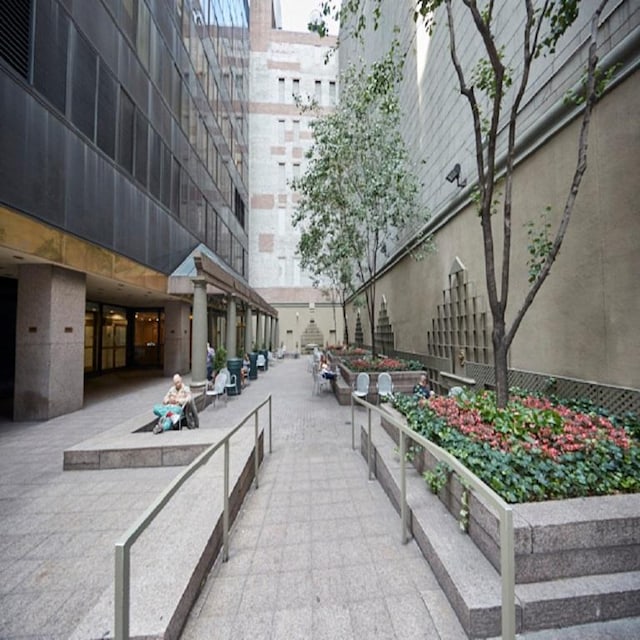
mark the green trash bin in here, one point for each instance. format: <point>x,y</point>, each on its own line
<point>253,366</point>
<point>265,353</point>
<point>235,368</point>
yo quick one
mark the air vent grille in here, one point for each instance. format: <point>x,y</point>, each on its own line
<point>15,34</point>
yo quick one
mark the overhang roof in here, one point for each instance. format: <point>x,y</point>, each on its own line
<point>203,263</point>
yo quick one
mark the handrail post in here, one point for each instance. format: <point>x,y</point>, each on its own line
<point>353,432</point>
<point>507,571</point>
<point>257,454</point>
<point>270,450</point>
<point>369,447</point>
<point>225,513</point>
<point>121,631</point>
<point>403,486</point>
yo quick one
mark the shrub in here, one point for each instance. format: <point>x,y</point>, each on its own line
<point>382,364</point>
<point>534,449</point>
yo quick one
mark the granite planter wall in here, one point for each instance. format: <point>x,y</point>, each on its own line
<point>555,539</point>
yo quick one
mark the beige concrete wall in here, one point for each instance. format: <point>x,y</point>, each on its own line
<point>584,322</point>
<point>294,318</point>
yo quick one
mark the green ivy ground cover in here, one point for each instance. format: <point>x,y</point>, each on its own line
<point>536,448</point>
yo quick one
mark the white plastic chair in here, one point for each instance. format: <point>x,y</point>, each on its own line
<point>319,381</point>
<point>217,388</point>
<point>361,389</point>
<point>230,382</point>
<point>260,361</point>
<point>385,386</point>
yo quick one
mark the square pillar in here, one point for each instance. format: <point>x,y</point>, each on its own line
<point>176,337</point>
<point>49,375</point>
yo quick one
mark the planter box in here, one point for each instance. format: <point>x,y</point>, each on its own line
<point>576,560</point>
<point>403,382</point>
<point>554,539</point>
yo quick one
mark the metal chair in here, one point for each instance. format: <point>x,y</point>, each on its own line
<point>384,386</point>
<point>217,388</point>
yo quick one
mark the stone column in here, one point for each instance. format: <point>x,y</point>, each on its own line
<point>275,334</point>
<point>176,337</point>
<point>259,329</point>
<point>267,332</point>
<point>49,365</point>
<point>248,339</point>
<point>231,327</point>
<point>199,333</point>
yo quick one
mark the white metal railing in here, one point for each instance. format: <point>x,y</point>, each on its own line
<point>123,546</point>
<point>505,511</point>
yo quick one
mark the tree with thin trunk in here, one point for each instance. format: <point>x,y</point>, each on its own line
<point>494,94</point>
<point>359,190</point>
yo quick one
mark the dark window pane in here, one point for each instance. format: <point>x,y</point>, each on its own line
<point>107,92</point>
<point>129,18</point>
<point>83,84</point>
<point>142,153</point>
<point>50,56</point>
<point>155,164</point>
<point>125,140</point>
<point>165,186</point>
<point>175,187</point>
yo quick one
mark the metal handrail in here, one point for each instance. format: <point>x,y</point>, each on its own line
<point>505,511</point>
<point>124,544</point>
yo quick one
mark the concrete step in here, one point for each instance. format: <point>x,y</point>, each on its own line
<point>471,582</point>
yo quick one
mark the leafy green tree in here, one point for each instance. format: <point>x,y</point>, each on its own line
<point>358,190</point>
<point>494,94</point>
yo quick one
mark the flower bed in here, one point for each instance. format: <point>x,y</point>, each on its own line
<point>535,449</point>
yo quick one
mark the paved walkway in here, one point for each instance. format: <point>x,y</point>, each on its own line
<point>315,552</point>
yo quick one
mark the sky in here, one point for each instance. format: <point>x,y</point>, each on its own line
<point>296,14</point>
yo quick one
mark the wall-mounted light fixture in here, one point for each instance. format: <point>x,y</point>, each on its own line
<point>454,174</point>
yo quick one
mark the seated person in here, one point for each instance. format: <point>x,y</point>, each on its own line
<point>325,370</point>
<point>421,391</point>
<point>177,402</point>
<point>244,372</point>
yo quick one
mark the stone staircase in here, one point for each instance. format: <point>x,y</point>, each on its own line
<point>311,335</point>
<point>577,561</point>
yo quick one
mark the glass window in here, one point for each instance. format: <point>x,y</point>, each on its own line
<point>142,34</point>
<point>332,92</point>
<point>107,92</point>
<point>165,185</point>
<point>83,84</point>
<point>155,164</point>
<point>175,187</point>
<point>126,129</point>
<point>280,89</point>
<point>50,53</point>
<point>142,153</point>
<point>129,18</point>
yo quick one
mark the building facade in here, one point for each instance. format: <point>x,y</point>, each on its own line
<point>580,336</point>
<point>123,174</point>
<point>283,65</point>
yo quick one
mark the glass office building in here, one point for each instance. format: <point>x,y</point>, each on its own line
<point>123,129</point>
